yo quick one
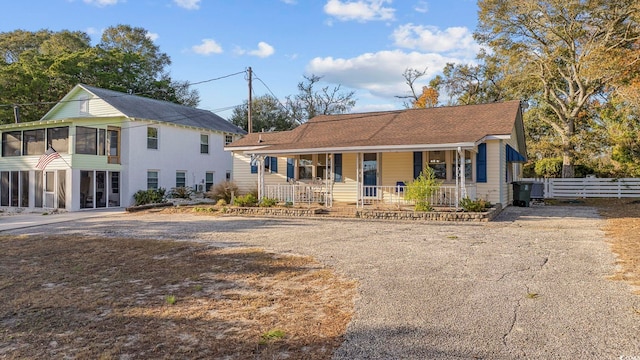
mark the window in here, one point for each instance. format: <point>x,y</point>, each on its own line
<point>467,166</point>
<point>113,145</point>
<point>181,179</point>
<point>115,182</point>
<point>84,106</point>
<point>152,138</point>
<point>11,143</point>
<point>321,166</point>
<point>86,140</point>
<point>204,144</point>
<point>152,180</point>
<point>101,141</point>
<point>305,167</point>
<point>228,139</point>
<point>438,162</point>
<point>58,138</point>
<point>33,142</point>
<point>228,175</point>
<point>208,181</point>
<point>337,167</point>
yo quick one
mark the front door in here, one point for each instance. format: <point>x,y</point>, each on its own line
<point>370,173</point>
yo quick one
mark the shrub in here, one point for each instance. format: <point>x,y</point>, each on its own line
<point>246,200</point>
<point>223,190</point>
<point>221,202</point>
<point>181,192</point>
<point>422,188</point>
<point>151,196</point>
<point>477,205</point>
<point>549,167</point>
<point>268,202</point>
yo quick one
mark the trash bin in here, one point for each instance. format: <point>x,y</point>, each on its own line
<point>521,193</point>
<point>537,191</point>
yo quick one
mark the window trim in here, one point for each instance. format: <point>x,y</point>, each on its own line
<point>151,138</point>
<point>157,178</point>
<point>204,148</point>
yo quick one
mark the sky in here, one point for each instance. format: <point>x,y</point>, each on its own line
<point>361,45</point>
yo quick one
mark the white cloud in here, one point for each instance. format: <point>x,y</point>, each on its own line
<point>152,36</point>
<point>264,50</point>
<point>289,2</point>
<point>379,73</point>
<point>208,46</point>
<point>361,10</point>
<point>188,4</point>
<point>454,40</point>
<point>421,7</point>
<point>102,3</point>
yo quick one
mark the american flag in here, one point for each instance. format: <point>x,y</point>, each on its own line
<point>46,158</point>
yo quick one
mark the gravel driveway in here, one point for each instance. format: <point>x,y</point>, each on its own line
<point>532,284</point>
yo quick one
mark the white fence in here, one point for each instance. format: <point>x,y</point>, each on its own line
<point>590,187</point>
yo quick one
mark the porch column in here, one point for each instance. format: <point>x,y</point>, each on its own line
<point>359,200</point>
<point>258,160</point>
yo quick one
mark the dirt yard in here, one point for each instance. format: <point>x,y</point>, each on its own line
<point>87,297</point>
<point>93,298</point>
<point>623,233</point>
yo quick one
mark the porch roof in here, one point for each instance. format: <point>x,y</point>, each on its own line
<point>402,130</point>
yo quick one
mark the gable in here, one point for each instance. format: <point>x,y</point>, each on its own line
<point>80,103</point>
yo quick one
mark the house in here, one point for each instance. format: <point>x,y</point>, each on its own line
<point>365,158</point>
<point>108,145</point>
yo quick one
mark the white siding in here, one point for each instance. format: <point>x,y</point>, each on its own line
<point>71,107</point>
<point>178,150</point>
<point>242,175</point>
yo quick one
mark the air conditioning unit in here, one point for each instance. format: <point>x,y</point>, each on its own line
<point>200,188</point>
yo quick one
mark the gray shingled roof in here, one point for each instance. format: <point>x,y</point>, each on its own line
<point>150,109</point>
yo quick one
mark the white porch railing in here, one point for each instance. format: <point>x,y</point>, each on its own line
<point>445,196</point>
<point>297,194</point>
<point>301,194</point>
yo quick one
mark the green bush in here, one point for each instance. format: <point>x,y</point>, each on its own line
<point>181,192</point>
<point>477,205</point>
<point>151,196</point>
<point>223,191</point>
<point>422,188</point>
<point>549,167</point>
<point>246,200</point>
<point>268,202</point>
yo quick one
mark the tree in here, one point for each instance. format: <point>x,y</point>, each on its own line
<point>468,84</point>
<point>39,68</point>
<point>562,53</point>
<point>267,114</point>
<point>310,102</point>
<point>429,95</point>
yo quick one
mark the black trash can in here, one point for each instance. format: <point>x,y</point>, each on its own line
<point>521,193</point>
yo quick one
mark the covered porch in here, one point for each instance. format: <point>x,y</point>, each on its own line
<point>366,179</point>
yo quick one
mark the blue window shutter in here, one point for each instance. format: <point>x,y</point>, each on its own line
<point>481,164</point>
<point>274,164</point>
<point>290,168</point>
<point>337,167</point>
<point>417,164</point>
<point>254,168</point>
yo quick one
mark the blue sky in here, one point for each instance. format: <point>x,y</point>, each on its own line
<point>363,45</point>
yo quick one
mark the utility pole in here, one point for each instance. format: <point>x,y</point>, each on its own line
<point>249,123</point>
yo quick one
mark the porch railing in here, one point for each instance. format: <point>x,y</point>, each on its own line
<point>297,194</point>
<point>301,194</point>
<point>445,196</point>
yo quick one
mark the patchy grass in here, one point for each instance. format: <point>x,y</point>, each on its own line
<point>86,297</point>
<point>622,230</point>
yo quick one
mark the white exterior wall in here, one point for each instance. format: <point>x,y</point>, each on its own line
<point>178,150</point>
